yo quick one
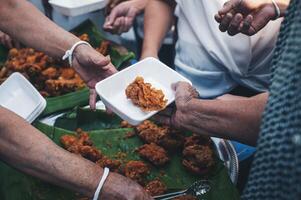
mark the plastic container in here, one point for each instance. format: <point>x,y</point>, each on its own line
<point>77,7</point>
<point>18,95</point>
<point>112,89</point>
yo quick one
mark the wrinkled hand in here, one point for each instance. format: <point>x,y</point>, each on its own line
<point>122,16</point>
<point>92,67</point>
<point>176,116</point>
<point>245,16</point>
<point>8,42</point>
<point>122,188</point>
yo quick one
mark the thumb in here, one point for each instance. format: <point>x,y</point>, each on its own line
<point>92,99</point>
<point>100,60</point>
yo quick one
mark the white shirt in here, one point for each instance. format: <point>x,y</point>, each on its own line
<point>216,62</point>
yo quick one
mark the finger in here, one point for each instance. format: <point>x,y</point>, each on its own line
<point>116,25</point>
<point>122,24</point>
<point>109,111</point>
<point>259,21</point>
<point>8,42</point>
<point>99,60</point>
<point>235,23</point>
<point>245,25</point>
<point>218,18</point>
<point>228,6</point>
<point>92,99</point>
<point>112,17</point>
<point>127,24</point>
<point>225,22</point>
<point>162,120</point>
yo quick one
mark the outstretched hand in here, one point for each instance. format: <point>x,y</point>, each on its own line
<point>245,16</point>
<point>92,67</point>
<point>176,116</point>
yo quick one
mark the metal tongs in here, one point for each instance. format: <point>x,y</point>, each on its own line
<point>197,189</point>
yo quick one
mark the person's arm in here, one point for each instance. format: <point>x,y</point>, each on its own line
<point>232,118</point>
<point>25,148</point>
<point>23,22</point>
<point>158,18</point>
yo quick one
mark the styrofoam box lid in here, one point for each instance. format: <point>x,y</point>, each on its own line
<point>112,89</point>
<point>18,95</point>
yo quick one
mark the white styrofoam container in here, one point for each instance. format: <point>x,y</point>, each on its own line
<point>18,95</point>
<point>77,7</point>
<point>112,89</point>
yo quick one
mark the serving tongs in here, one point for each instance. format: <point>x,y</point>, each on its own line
<point>197,189</point>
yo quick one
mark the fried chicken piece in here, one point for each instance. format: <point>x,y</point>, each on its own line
<point>81,145</point>
<point>198,158</point>
<point>186,197</point>
<point>90,153</point>
<point>84,37</point>
<point>136,170</point>
<point>67,73</point>
<point>68,140</point>
<point>112,164</point>
<point>155,187</point>
<point>50,73</point>
<point>125,124</point>
<point>62,86</point>
<point>162,136</point>
<point>154,153</point>
<point>104,48</point>
<point>145,96</point>
<point>197,140</point>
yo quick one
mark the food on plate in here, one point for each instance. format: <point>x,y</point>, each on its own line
<point>51,77</point>
<point>145,96</point>
<point>162,136</point>
<point>153,153</point>
<point>136,170</point>
<point>197,140</point>
<point>155,187</point>
<point>197,158</point>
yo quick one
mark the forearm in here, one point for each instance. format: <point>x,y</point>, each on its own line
<point>158,19</point>
<point>25,148</point>
<point>24,22</point>
<point>237,119</point>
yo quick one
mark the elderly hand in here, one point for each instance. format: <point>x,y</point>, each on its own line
<point>122,188</point>
<point>8,42</point>
<point>122,16</point>
<point>176,117</point>
<point>246,16</point>
<point>92,67</point>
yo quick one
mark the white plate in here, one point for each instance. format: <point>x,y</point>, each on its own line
<point>18,95</point>
<point>77,7</point>
<point>112,89</point>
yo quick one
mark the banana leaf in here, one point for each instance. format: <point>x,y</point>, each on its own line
<point>87,120</point>
<point>16,186</point>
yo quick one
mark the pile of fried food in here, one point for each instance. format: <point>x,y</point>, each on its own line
<point>145,96</point>
<point>160,143</point>
<point>51,77</point>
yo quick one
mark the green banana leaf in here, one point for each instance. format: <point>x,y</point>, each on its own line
<point>16,186</point>
<point>87,120</point>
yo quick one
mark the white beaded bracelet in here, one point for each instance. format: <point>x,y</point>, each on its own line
<point>105,174</point>
<point>69,53</point>
<point>277,9</point>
